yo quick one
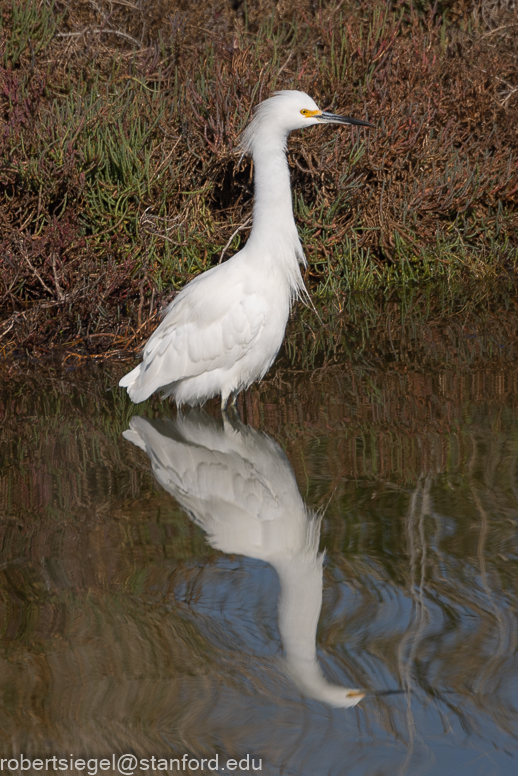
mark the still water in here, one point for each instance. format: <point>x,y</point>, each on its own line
<point>326,584</point>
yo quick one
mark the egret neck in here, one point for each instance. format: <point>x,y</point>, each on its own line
<point>274,235</point>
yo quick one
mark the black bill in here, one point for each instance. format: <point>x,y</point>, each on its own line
<point>333,118</point>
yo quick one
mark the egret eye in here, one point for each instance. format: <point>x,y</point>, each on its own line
<point>305,112</point>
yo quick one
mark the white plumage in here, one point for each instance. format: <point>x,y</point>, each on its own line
<point>224,329</point>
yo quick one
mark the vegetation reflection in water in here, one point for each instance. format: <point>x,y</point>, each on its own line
<point>123,629</point>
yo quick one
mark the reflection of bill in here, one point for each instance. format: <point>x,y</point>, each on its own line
<point>238,486</point>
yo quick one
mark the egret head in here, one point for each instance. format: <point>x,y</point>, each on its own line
<point>276,117</point>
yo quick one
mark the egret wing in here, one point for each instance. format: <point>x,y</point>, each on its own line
<point>196,338</point>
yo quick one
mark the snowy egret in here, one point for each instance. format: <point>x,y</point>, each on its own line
<point>238,486</point>
<point>224,329</point>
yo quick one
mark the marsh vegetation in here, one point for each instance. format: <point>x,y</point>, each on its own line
<point>120,177</point>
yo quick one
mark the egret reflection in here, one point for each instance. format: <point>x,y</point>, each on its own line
<point>238,486</point>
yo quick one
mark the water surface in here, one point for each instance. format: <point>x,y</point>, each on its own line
<point>179,584</point>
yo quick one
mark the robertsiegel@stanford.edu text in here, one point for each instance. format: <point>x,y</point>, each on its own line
<point>127,764</point>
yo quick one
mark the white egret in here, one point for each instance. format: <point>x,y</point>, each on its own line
<point>224,329</point>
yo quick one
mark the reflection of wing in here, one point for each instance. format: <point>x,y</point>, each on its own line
<point>211,325</point>
<point>238,485</point>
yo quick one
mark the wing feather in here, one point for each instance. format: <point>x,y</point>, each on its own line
<point>191,341</point>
